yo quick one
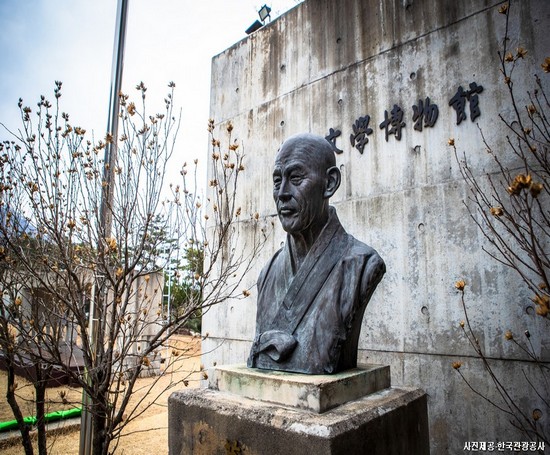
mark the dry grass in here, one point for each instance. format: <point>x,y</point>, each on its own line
<point>148,433</point>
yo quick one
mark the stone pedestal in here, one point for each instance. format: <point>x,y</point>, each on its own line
<point>317,393</point>
<point>256,412</point>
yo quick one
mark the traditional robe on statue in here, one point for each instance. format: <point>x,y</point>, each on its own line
<point>309,320</point>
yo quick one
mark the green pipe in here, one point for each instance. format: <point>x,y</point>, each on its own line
<point>12,424</point>
<point>49,417</point>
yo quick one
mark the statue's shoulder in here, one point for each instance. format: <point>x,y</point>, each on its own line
<point>357,247</point>
<point>356,250</point>
<point>277,257</point>
<point>272,263</point>
<point>365,253</point>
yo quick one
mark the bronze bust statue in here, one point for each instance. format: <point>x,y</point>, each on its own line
<point>313,293</point>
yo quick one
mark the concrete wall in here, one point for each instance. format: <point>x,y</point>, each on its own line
<point>325,64</point>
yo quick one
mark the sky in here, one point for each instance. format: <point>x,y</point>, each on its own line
<point>166,40</point>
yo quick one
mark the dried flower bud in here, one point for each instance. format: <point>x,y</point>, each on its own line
<point>496,211</point>
<point>210,125</point>
<point>542,311</point>
<point>513,190</point>
<point>457,365</point>
<point>543,304</point>
<point>460,285</point>
<point>521,52</point>
<point>535,189</point>
<point>111,244</point>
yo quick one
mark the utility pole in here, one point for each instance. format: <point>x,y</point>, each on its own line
<point>110,159</point>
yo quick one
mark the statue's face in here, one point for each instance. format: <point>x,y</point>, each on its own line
<point>299,182</point>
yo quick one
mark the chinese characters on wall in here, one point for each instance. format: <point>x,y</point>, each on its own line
<point>424,115</point>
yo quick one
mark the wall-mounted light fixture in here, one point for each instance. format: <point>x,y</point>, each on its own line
<point>255,26</point>
<point>264,13</point>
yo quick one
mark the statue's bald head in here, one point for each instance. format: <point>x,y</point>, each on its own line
<point>316,148</point>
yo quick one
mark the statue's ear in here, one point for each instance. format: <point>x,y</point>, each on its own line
<point>333,181</point>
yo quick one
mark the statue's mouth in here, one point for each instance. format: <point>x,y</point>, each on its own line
<point>287,211</point>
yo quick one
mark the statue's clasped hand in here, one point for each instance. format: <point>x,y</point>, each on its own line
<point>277,344</point>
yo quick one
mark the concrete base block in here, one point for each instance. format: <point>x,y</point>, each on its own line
<point>317,393</point>
<point>211,422</point>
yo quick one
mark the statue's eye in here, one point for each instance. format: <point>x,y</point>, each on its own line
<point>296,179</point>
<point>276,181</point>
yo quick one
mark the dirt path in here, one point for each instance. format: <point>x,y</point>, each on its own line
<point>148,434</point>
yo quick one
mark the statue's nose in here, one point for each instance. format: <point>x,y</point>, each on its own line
<point>283,193</point>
